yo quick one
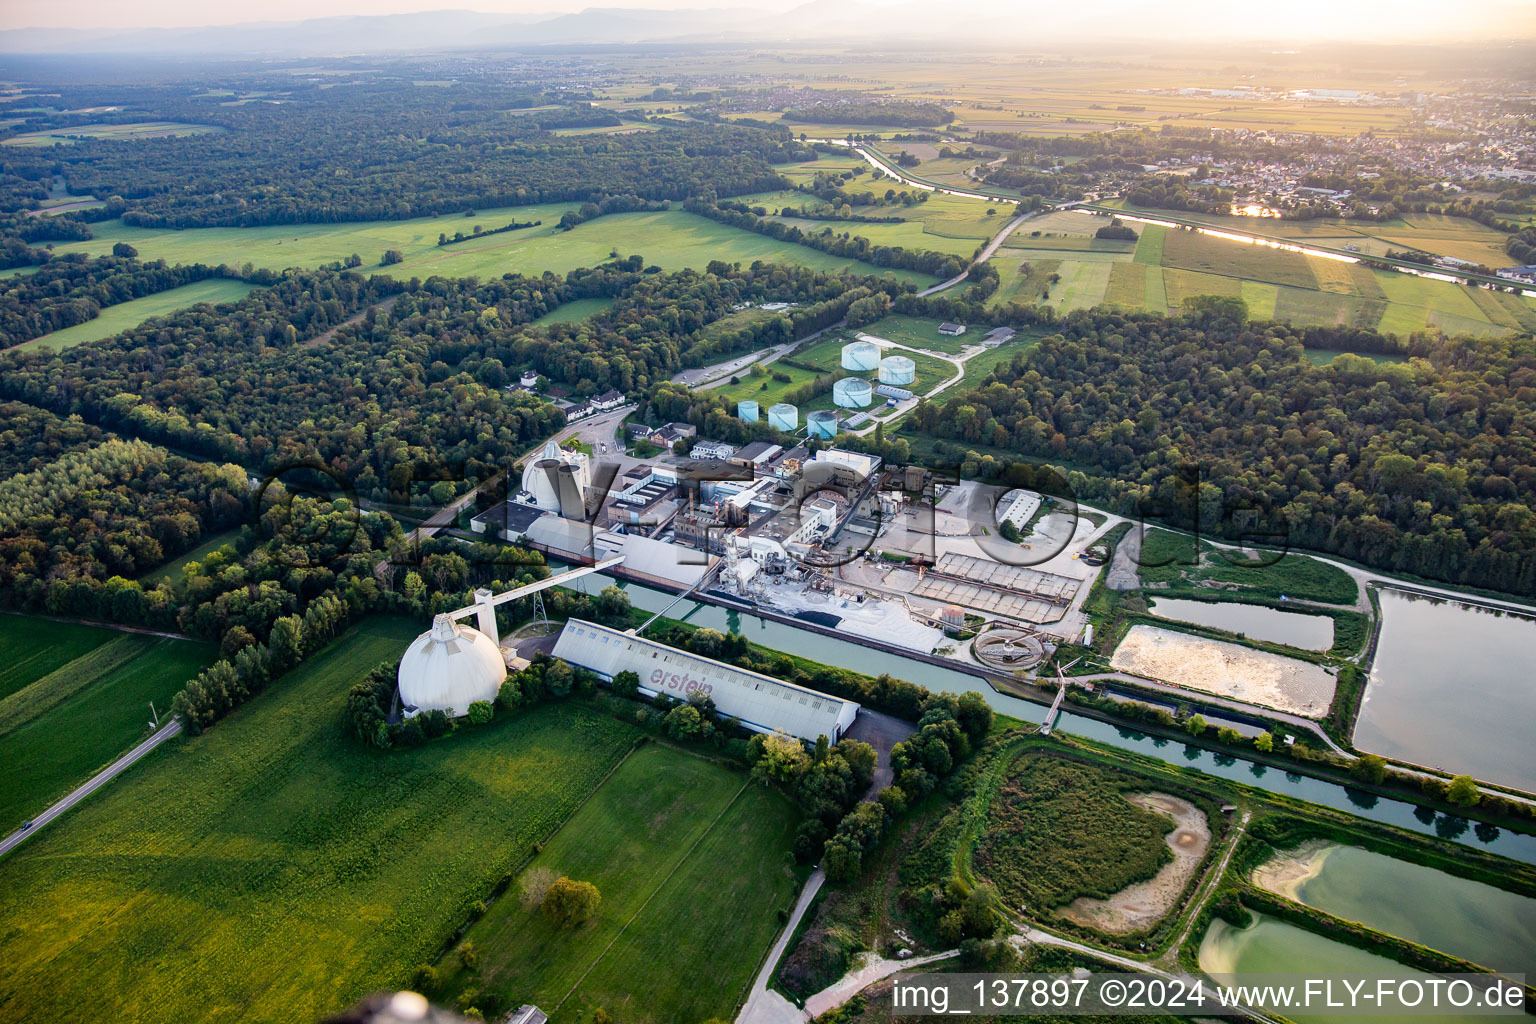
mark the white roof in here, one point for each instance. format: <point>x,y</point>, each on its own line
<point>763,703</point>
<point>449,667</point>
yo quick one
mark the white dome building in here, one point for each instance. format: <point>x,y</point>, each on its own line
<point>554,468</point>
<point>448,668</point>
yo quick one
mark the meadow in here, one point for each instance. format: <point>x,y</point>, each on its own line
<point>680,849</point>
<point>1059,829</point>
<point>109,132</point>
<point>1173,564</point>
<point>125,315</point>
<point>1167,266</point>
<point>575,312</point>
<point>673,240</point>
<point>274,869</point>
<point>76,703</point>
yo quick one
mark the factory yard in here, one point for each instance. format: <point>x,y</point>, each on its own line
<point>1227,669</point>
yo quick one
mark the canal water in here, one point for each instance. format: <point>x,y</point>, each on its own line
<point>856,657</point>
<point>1270,946</point>
<point>1467,919</point>
<point>1451,687</point>
<point>1306,632</point>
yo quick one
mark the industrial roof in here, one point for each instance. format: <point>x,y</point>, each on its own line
<point>761,702</point>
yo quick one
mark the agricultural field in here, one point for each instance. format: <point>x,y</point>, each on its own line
<point>672,239</point>
<point>76,702</point>
<point>125,315</point>
<point>1166,266</point>
<point>109,132</point>
<point>279,870</point>
<point>1059,829</point>
<point>679,848</point>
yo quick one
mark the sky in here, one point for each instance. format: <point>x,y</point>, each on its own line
<point>1353,19</point>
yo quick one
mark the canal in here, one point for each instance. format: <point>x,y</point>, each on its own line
<point>856,657</point>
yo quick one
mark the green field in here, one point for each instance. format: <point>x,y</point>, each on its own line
<point>274,870</point>
<point>111,132</point>
<point>575,312</point>
<point>1172,565</point>
<point>673,240</point>
<point>1058,829</point>
<point>680,850</point>
<point>23,660</point>
<point>921,332</point>
<point>63,724</point>
<point>125,315</point>
<point>171,571</point>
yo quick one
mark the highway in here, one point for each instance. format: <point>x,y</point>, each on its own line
<point>106,775</point>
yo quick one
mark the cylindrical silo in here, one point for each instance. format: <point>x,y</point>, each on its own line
<point>860,356</point>
<point>852,393</point>
<point>545,487</point>
<point>822,423</point>
<point>897,370</point>
<point>783,416</point>
<point>572,494</point>
<point>747,411</point>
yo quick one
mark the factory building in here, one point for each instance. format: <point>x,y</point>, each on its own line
<point>762,703</point>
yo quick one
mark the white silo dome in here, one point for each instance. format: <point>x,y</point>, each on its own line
<point>448,668</point>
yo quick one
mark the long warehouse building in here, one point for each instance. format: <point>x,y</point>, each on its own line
<point>762,703</point>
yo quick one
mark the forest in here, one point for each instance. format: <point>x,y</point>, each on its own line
<point>382,150</point>
<point>75,288</point>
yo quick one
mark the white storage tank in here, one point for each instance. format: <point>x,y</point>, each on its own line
<point>852,393</point>
<point>822,423</point>
<point>861,356</point>
<point>747,411</point>
<point>783,416</point>
<point>898,370</point>
<point>448,668</point>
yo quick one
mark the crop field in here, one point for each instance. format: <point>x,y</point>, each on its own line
<point>126,315</point>
<point>673,240</point>
<point>275,870</point>
<point>141,130</point>
<point>575,312</point>
<point>1170,265</point>
<point>67,716</point>
<point>689,859</point>
<point>1058,829</point>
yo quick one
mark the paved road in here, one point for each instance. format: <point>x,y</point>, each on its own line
<point>106,775</point>
<point>765,1006</point>
<point>986,254</point>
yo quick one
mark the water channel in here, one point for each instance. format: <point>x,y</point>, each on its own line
<point>1305,632</point>
<point>858,658</point>
<point>1450,687</point>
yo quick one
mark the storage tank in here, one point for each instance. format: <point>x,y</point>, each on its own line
<point>573,498</point>
<point>897,370</point>
<point>783,416</point>
<point>448,668</point>
<point>747,411</point>
<point>862,356</point>
<point>542,475</point>
<point>822,423</point>
<point>852,393</point>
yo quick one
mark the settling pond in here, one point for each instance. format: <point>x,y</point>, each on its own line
<point>1305,632</point>
<point>1466,919</point>
<point>1270,946</point>
<point>1451,687</point>
<point>856,657</point>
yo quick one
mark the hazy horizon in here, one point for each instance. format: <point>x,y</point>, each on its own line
<point>1322,20</point>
